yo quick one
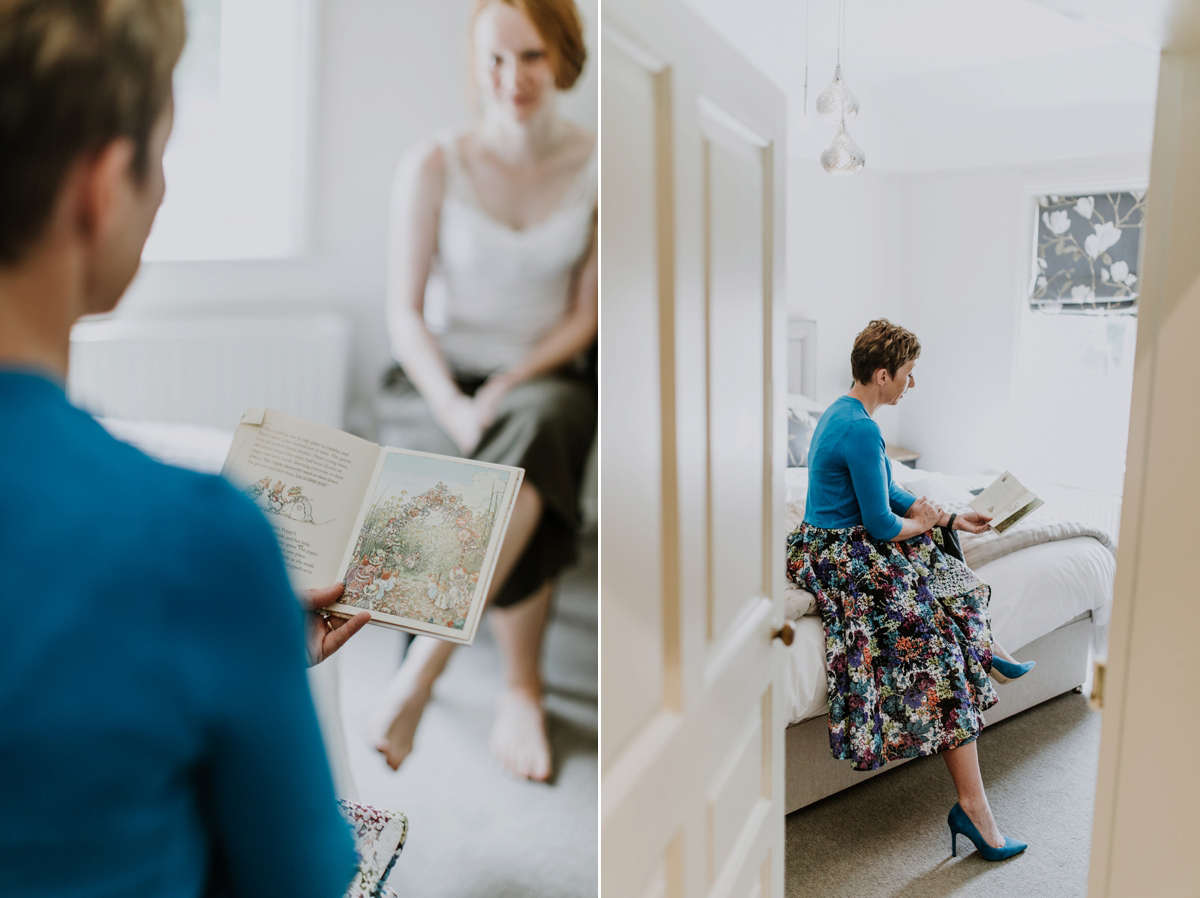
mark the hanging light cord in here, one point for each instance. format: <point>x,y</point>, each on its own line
<point>842,35</point>
<point>806,5</point>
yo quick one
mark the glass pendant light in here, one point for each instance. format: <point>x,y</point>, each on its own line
<point>843,156</point>
<point>837,102</point>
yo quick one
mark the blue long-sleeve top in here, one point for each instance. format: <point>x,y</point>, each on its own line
<point>157,735</point>
<point>849,479</point>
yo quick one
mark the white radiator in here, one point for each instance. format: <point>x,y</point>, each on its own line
<point>208,371</point>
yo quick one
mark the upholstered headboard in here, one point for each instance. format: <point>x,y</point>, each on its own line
<point>802,357</point>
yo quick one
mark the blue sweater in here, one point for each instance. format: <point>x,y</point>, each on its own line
<point>849,480</point>
<point>157,736</point>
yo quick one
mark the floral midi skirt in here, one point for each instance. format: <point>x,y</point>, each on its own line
<point>908,642</point>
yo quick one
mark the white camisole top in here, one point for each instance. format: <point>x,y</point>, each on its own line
<point>495,290</point>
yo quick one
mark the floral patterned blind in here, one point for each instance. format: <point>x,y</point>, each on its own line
<point>1086,259</point>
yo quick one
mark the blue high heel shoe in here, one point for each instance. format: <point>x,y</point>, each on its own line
<point>1004,671</point>
<point>961,823</point>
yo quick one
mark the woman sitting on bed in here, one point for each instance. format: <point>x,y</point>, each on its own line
<point>908,638</point>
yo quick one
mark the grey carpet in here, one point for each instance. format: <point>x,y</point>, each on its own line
<point>474,829</point>
<point>888,836</point>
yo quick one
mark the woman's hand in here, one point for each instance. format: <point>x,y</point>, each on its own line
<point>488,397</point>
<point>972,522</point>
<point>925,513</point>
<point>459,417</point>
<point>325,635</point>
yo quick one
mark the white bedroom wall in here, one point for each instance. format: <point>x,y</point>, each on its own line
<point>966,247</point>
<point>390,72</point>
<point>946,255</point>
<point>957,292</point>
<point>843,254</point>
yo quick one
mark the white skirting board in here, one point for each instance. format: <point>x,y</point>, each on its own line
<point>1061,656</point>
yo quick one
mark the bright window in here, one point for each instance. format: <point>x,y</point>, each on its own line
<point>237,162</point>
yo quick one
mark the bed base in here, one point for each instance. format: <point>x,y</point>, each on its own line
<point>1061,655</point>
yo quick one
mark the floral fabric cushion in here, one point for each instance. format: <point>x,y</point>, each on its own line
<point>379,837</point>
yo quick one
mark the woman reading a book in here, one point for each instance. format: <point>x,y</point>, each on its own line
<point>907,631</point>
<point>501,219</point>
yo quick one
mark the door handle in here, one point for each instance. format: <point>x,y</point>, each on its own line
<point>786,633</point>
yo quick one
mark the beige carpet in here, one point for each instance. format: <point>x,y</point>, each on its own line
<point>475,830</point>
<point>888,836</point>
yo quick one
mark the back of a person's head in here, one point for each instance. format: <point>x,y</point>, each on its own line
<point>74,76</point>
<point>882,344</point>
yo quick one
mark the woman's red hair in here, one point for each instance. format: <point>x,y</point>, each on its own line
<point>559,24</point>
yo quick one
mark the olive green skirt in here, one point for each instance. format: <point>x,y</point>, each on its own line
<point>545,425</point>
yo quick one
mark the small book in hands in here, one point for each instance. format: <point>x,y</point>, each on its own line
<point>1006,501</point>
<point>413,536</point>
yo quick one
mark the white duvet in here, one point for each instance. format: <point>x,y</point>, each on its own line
<point>1042,573</point>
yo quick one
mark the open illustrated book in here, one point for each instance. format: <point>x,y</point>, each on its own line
<point>413,536</point>
<point>1006,501</point>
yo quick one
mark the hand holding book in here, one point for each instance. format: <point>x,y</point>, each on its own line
<point>413,537</point>
<point>970,521</point>
<point>1006,501</point>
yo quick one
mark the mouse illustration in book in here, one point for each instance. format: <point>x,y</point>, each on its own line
<point>255,490</point>
<point>362,575</point>
<point>442,602</point>
<point>376,591</point>
<point>275,497</point>
<point>299,506</point>
<point>455,594</point>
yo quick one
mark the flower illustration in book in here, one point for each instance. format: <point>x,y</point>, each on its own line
<point>422,545</point>
<point>276,497</point>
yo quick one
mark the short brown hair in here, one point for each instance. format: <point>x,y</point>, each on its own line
<point>74,76</point>
<point>560,26</point>
<point>882,345</point>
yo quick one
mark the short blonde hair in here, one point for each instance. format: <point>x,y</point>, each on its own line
<point>882,344</point>
<point>74,76</point>
<point>560,26</point>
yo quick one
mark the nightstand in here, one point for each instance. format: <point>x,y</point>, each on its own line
<point>904,456</point>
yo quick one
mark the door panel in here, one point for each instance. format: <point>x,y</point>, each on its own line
<point>1145,829</point>
<point>631,442</point>
<point>734,235</point>
<point>692,319</point>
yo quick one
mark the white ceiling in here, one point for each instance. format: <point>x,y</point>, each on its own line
<point>951,84</point>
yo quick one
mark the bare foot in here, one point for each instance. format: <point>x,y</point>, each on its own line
<point>519,734</point>
<point>395,720</point>
<point>986,824</point>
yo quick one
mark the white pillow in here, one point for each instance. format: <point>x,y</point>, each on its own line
<point>795,492</point>
<point>902,473</point>
<point>801,403</point>
<point>940,490</point>
<point>798,602</point>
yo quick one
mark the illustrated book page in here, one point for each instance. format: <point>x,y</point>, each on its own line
<point>413,536</point>
<point>309,480</point>
<point>427,539</point>
<point>1005,501</point>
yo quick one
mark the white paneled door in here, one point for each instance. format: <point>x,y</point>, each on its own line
<point>692,454</point>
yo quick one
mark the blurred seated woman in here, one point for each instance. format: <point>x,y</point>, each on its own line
<point>504,216</point>
<point>907,631</point>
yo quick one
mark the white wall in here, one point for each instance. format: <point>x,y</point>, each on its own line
<point>390,72</point>
<point>959,294</point>
<point>947,256</point>
<point>968,248</point>
<point>843,252</point>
